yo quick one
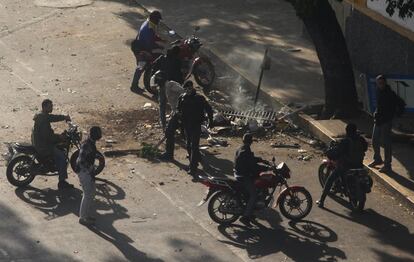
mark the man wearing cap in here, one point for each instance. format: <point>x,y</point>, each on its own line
<point>247,168</point>
<point>145,44</point>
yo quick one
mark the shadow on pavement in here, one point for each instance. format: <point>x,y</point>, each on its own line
<point>108,192</point>
<point>216,167</point>
<point>52,202</point>
<point>17,245</point>
<point>261,241</point>
<point>58,203</point>
<point>387,230</point>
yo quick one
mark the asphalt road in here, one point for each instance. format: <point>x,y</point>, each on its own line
<point>78,57</point>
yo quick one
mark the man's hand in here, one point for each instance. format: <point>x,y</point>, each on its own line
<point>67,118</point>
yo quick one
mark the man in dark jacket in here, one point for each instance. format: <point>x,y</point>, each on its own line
<point>247,168</point>
<point>387,103</point>
<point>351,152</point>
<point>171,65</point>
<point>44,140</point>
<point>192,108</point>
<point>144,45</point>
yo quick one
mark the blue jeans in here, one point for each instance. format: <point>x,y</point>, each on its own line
<point>61,164</point>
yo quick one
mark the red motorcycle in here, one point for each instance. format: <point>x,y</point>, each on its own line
<point>227,199</point>
<point>193,63</point>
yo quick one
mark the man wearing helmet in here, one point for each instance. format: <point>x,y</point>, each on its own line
<point>146,41</point>
<point>247,167</point>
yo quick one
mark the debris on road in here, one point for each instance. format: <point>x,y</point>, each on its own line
<point>281,145</point>
<point>217,141</point>
<point>302,151</point>
<point>147,106</point>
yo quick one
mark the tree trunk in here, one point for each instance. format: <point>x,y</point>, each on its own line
<point>341,98</point>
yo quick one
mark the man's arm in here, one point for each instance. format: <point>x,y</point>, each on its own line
<point>56,118</point>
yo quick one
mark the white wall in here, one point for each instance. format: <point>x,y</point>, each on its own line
<point>380,6</point>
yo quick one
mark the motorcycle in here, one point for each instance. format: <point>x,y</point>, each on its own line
<point>192,63</point>
<point>354,184</point>
<point>24,163</point>
<point>227,200</point>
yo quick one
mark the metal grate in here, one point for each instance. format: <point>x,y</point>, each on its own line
<point>257,115</point>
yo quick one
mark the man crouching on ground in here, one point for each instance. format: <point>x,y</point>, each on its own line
<point>86,173</point>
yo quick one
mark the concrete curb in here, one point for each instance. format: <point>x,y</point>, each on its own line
<point>313,127</point>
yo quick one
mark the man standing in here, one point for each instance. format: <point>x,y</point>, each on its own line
<point>388,103</point>
<point>192,107</point>
<point>86,173</point>
<point>247,168</point>
<point>144,45</point>
<point>44,140</point>
<point>351,153</point>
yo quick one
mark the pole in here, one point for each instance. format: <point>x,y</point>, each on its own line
<point>258,88</point>
<point>264,66</point>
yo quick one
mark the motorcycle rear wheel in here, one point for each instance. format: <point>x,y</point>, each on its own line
<point>358,203</point>
<point>204,73</point>
<point>23,164</point>
<point>99,158</point>
<point>223,200</point>
<point>294,201</point>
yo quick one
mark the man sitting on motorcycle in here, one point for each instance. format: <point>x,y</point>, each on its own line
<point>145,45</point>
<point>351,152</point>
<point>247,168</point>
<point>45,140</point>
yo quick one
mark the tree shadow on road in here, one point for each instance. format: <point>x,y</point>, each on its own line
<point>387,230</point>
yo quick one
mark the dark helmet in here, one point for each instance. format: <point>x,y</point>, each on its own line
<point>160,77</point>
<point>155,16</point>
<point>95,133</point>
<point>247,138</point>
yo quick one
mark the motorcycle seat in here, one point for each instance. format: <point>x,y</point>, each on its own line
<point>25,147</point>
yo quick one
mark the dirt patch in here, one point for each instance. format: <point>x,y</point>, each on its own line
<point>123,127</point>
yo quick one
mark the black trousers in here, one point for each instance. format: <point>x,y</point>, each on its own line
<point>172,127</point>
<point>193,133</point>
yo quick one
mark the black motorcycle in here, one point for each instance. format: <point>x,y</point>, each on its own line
<point>354,184</point>
<point>24,163</point>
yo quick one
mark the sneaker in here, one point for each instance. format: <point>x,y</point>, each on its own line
<point>86,221</point>
<point>319,203</point>
<point>64,185</point>
<point>375,163</point>
<point>385,169</point>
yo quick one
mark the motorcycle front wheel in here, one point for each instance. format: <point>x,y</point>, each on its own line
<point>99,162</point>
<point>323,172</point>
<point>219,206</point>
<point>204,73</point>
<point>296,204</point>
<point>150,87</point>
<point>19,171</point>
